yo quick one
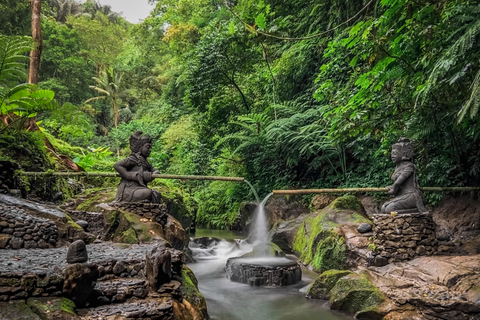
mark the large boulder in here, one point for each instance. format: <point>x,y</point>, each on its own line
<point>438,287</point>
<point>329,239</point>
<point>175,234</point>
<point>158,266</point>
<point>356,294</point>
<point>80,279</point>
<point>320,288</point>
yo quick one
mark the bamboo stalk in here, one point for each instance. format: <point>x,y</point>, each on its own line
<point>113,174</point>
<point>374,190</point>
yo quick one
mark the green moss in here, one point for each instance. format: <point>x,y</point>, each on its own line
<point>330,252</point>
<point>354,293</point>
<point>10,282</point>
<point>52,308</point>
<point>358,218</point>
<point>347,203</point>
<point>72,223</point>
<point>94,197</point>
<point>320,288</point>
<point>190,291</point>
<point>67,305</point>
<point>129,236</point>
<point>300,242</point>
<point>320,245</point>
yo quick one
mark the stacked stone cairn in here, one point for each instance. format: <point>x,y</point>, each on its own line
<point>20,230</point>
<point>401,237</point>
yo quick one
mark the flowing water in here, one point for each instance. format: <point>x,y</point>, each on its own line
<point>228,300</point>
<point>260,225</point>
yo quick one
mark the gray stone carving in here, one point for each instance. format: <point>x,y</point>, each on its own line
<point>407,195</point>
<point>136,172</point>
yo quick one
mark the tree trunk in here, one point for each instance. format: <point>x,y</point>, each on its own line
<point>38,43</point>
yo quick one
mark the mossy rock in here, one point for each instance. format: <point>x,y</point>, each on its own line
<point>347,203</point>
<point>53,308</point>
<point>91,198</point>
<point>320,245</point>
<point>17,309</point>
<point>126,227</point>
<point>196,300</point>
<point>355,294</point>
<point>320,288</point>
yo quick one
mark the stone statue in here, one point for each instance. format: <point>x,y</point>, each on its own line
<point>136,172</point>
<point>407,195</point>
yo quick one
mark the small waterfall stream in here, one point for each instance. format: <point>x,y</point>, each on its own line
<point>227,300</point>
<point>260,225</point>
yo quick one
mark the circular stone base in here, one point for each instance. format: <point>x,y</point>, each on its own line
<point>264,271</point>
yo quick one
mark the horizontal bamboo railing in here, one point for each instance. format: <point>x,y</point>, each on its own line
<point>113,174</point>
<point>373,190</point>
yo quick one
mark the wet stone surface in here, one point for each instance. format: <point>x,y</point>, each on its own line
<point>51,261</point>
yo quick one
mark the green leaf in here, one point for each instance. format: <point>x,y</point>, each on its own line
<point>261,21</point>
<point>231,27</point>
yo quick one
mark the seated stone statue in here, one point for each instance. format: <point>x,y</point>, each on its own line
<point>136,172</point>
<point>407,195</point>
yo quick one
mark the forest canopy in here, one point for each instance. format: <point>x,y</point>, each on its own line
<point>288,94</point>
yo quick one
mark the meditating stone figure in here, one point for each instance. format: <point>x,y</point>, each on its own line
<point>136,172</point>
<point>408,197</point>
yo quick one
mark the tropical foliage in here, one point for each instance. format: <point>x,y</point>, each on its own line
<point>288,94</point>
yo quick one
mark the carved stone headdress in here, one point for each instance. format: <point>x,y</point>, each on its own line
<point>405,147</point>
<point>137,141</point>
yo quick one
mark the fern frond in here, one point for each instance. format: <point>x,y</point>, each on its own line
<point>472,104</point>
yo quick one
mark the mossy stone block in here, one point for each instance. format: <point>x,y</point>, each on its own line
<point>354,293</point>
<point>347,203</point>
<point>18,310</point>
<point>320,288</point>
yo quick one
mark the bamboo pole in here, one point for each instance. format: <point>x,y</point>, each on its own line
<point>374,190</point>
<point>113,174</point>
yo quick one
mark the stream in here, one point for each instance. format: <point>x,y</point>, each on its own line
<point>228,300</point>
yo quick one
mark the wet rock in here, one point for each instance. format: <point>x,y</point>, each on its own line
<point>175,234</point>
<point>16,243</point>
<point>263,271</point>
<point>119,268</point>
<point>364,227</point>
<point>17,310</point>
<point>320,288</point>
<point>4,239</point>
<point>82,223</point>
<point>158,266</point>
<point>321,201</point>
<point>79,282</point>
<point>77,252</point>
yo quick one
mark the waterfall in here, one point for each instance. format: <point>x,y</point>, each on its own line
<point>260,232</point>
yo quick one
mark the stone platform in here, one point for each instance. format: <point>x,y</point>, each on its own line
<point>264,271</point>
<point>403,237</point>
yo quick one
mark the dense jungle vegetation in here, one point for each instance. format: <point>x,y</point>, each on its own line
<point>286,93</point>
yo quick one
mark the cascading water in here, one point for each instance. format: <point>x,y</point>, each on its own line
<point>229,300</point>
<point>260,231</point>
<point>253,190</point>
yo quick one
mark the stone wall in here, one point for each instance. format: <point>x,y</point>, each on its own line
<point>403,237</point>
<point>152,211</point>
<point>20,230</point>
<point>19,285</point>
<point>96,221</point>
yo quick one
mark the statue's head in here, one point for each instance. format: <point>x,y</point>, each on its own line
<point>137,141</point>
<point>402,150</point>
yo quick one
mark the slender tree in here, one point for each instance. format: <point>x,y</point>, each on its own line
<point>36,53</point>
